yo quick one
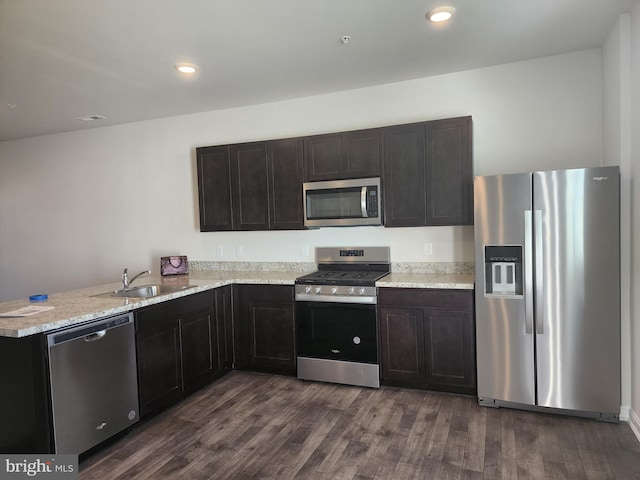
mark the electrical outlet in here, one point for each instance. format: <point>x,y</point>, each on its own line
<point>239,251</point>
<point>305,250</point>
<point>220,251</point>
<point>428,249</point>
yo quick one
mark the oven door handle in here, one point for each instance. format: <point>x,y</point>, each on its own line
<point>327,300</point>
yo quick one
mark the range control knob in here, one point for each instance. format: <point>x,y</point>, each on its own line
<point>361,291</point>
<point>318,289</point>
<point>352,290</point>
<point>307,289</point>
<point>334,290</point>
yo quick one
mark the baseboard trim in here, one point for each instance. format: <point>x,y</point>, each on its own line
<point>634,423</point>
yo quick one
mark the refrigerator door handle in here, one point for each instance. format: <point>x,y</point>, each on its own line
<point>539,288</point>
<point>528,272</point>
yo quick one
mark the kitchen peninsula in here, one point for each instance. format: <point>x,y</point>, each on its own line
<point>183,315</point>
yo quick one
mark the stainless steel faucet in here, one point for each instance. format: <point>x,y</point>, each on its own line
<point>125,278</point>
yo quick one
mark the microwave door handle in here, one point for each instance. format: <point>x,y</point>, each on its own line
<point>363,202</point>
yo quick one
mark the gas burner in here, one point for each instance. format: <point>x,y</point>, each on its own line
<point>345,275</point>
<point>358,277</point>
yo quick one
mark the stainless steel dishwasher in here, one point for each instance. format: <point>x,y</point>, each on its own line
<point>94,385</point>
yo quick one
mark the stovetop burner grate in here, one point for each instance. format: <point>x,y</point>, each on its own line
<point>342,277</point>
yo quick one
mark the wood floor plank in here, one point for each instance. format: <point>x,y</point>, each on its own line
<point>378,435</point>
<point>420,433</point>
<point>476,437</point>
<point>492,444</point>
<point>548,441</point>
<point>257,426</point>
<point>507,435</point>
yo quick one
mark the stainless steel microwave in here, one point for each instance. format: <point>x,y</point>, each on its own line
<point>341,203</point>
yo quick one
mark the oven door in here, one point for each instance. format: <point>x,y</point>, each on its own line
<point>337,331</point>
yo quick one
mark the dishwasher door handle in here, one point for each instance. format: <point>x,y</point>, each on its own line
<point>95,336</point>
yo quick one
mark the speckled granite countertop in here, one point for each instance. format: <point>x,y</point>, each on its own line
<point>462,281</point>
<point>78,306</point>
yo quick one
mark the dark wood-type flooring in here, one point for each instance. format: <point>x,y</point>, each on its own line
<point>249,426</point>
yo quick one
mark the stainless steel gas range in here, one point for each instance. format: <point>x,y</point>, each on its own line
<point>336,327</point>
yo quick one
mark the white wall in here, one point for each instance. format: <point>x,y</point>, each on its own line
<point>617,143</point>
<point>76,208</point>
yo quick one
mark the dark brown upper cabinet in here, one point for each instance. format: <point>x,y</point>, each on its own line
<point>345,155</point>
<point>428,173</point>
<point>214,188</point>
<point>285,163</point>
<point>405,201</point>
<point>251,186</point>
<point>426,169</point>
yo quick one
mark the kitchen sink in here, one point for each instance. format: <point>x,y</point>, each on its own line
<point>145,291</point>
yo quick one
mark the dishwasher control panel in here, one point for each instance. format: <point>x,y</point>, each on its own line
<point>88,329</point>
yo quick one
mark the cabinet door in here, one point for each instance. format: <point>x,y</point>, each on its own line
<point>159,367</point>
<point>450,352</point>
<point>361,154</point>
<point>198,342</point>
<point>404,176</point>
<point>272,335</point>
<point>449,172</point>
<point>323,157</point>
<point>264,328</point>
<point>337,156</point>
<point>402,345</point>
<point>285,167</point>
<point>250,186</point>
<point>214,188</point>
<point>427,338</point>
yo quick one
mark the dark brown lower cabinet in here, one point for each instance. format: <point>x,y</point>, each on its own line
<point>264,328</point>
<point>427,339</point>
<point>181,346</point>
<point>159,363</point>
<point>25,400</point>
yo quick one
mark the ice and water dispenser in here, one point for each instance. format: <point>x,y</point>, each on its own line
<point>503,270</point>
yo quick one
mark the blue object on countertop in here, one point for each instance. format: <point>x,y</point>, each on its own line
<point>41,297</point>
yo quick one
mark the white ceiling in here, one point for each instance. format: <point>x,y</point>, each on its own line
<point>64,59</point>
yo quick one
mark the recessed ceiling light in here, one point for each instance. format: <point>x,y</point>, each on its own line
<point>441,14</point>
<point>186,68</point>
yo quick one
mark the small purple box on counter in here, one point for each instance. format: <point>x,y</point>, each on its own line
<point>178,265</point>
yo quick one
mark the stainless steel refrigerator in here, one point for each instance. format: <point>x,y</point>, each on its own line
<point>547,249</point>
